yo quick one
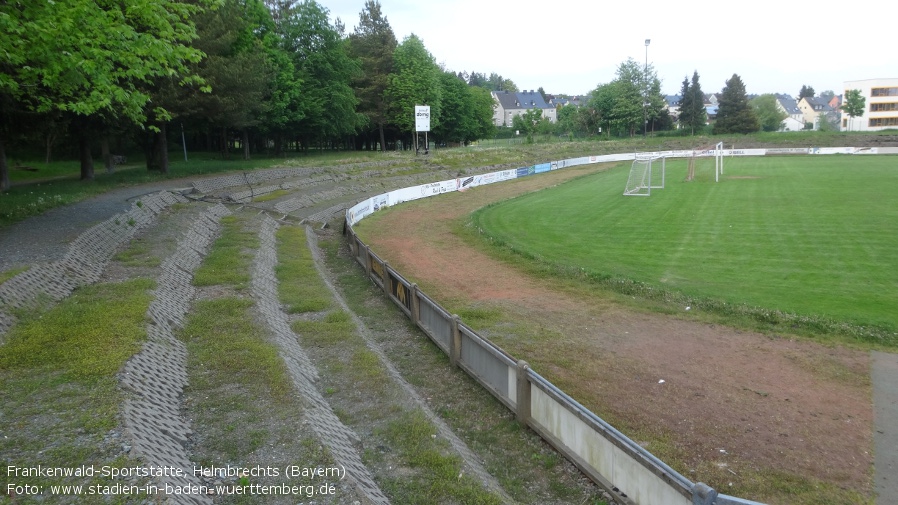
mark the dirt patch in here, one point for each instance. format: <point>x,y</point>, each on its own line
<point>736,406</point>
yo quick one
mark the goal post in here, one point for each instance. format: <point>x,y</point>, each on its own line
<point>647,172</point>
<point>702,153</point>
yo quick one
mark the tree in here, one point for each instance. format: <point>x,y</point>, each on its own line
<point>529,123</point>
<point>415,81</point>
<point>854,104</point>
<point>326,70</point>
<point>622,103</point>
<point>466,112</point>
<point>692,105</point>
<point>734,114</point>
<point>84,56</point>
<point>806,92</point>
<point>770,116</point>
<point>236,67</point>
<point>827,95</point>
<point>373,43</point>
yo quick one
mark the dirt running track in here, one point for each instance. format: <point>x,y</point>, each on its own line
<point>742,411</point>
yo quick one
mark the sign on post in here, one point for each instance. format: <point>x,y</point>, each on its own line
<point>422,118</point>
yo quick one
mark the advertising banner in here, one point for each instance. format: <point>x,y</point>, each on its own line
<point>542,167</point>
<point>463,184</point>
<point>787,150</point>
<point>744,152</point>
<point>525,171</point>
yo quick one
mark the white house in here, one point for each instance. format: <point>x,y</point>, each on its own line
<point>881,105</point>
<point>508,105</point>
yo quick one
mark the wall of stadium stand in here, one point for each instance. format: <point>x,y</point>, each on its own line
<point>622,467</point>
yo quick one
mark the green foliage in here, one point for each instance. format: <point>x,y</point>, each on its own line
<point>373,44</point>
<point>88,336</point>
<point>854,103</point>
<point>415,81</point>
<point>325,69</point>
<point>806,92</point>
<point>633,95</point>
<point>692,106</point>
<point>734,114</point>
<point>770,116</point>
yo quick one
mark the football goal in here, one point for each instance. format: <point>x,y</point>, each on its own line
<point>646,173</point>
<point>706,153</point>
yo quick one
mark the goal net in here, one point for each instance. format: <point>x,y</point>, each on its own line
<point>708,161</point>
<point>646,173</point>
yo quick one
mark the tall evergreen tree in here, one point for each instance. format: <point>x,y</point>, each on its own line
<point>692,105</point>
<point>373,43</point>
<point>734,113</point>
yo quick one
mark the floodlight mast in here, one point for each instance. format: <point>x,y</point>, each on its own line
<point>645,92</point>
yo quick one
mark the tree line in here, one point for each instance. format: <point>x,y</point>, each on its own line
<point>267,75</point>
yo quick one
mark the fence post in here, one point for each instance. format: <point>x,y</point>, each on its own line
<point>368,260</point>
<point>416,304</point>
<point>523,394</point>
<point>703,494</point>
<point>454,341</point>
<point>388,290</point>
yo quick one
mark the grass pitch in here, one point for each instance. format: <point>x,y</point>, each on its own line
<point>814,236</point>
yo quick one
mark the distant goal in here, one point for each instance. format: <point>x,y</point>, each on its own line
<point>646,173</point>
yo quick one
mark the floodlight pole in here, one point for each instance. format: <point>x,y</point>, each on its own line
<point>645,121</point>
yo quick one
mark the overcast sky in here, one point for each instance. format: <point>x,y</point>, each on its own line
<point>572,46</point>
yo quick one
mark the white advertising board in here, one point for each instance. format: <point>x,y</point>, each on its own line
<point>422,118</point>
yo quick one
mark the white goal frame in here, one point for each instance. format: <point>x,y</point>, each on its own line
<point>718,161</point>
<point>647,172</point>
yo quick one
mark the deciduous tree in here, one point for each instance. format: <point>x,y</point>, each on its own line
<point>415,81</point>
<point>770,116</point>
<point>854,104</point>
<point>84,56</point>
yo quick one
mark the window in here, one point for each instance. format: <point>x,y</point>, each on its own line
<point>883,121</point>
<point>883,107</point>
<point>884,92</point>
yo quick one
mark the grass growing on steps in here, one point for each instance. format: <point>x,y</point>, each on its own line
<point>408,461</point>
<point>228,261</point>
<point>300,288</point>
<point>241,400</point>
<point>59,395</point>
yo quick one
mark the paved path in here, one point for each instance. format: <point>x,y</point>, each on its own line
<point>45,238</point>
<point>884,375</point>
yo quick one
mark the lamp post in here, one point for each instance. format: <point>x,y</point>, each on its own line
<point>645,121</point>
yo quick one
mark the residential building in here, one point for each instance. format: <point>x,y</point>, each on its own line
<point>881,105</point>
<point>508,105</point>
<point>811,109</point>
<point>787,104</point>
<point>672,103</point>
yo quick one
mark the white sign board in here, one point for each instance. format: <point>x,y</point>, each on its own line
<point>422,118</point>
